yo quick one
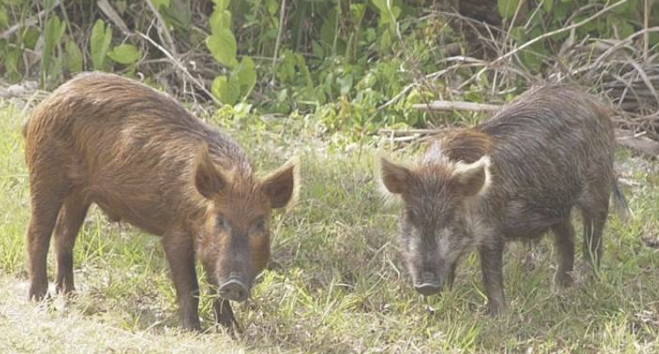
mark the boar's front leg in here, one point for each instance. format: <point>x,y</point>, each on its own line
<point>491,255</point>
<point>180,255</point>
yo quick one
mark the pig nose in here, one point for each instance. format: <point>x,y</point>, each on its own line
<point>234,289</point>
<point>428,284</point>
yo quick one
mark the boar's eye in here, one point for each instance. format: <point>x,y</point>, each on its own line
<point>221,222</point>
<point>258,224</point>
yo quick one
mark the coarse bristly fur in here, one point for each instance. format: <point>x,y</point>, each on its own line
<point>517,175</point>
<point>143,159</point>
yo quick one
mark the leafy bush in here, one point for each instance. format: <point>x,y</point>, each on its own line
<point>367,61</point>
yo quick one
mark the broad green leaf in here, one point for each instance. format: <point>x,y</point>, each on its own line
<point>561,11</point>
<point>31,37</point>
<point>245,75</point>
<point>327,31</point>
<point>125,54</point>
<point>4,21</point>
<point>52,35</point>
<point>99,43</point>
<point>357,12</point>
<point>159,3</point>
<point>220,20</point>
<point>48,4</point>
<point>13,58</point>
<point>222,46</point>
<point>286,67</point>
<point>317,49</point>
<point>548,5</point>
<point>507,8</point>
<point>304,69</point>
<point>273,6</point>
<point>181,18</point>
<point>221,4</point>
<point>345,84</point>
<point>388,12</point>
<point>627,9</point>
<point>73,57</point>
<point>225,90</point>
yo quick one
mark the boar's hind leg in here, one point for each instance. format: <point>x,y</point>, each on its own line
<point>180,255</point>
<point>594,213</point>
<point>46,201</point>
<point>491,255</point>
<point>70,219</point>
<point>593,226</point>
<point>564,241</point>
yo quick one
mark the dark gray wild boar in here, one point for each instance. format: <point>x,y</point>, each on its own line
<point>515,176</point>
<point>142,158</point>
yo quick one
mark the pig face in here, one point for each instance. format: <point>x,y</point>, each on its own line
<point>235,243</point>
<point>435,223</point>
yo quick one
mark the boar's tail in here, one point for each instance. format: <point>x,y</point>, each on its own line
<point>620,203</point>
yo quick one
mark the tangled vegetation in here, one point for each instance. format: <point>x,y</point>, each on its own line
<point>356,64</point>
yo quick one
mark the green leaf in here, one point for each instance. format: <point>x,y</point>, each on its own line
<point>13,58</point>
<point>388,12</point>
<point>507,8</point>
<point>52,34</point>
<point>99,44</point>
<point>548,5</point>
<point>125,54</point>
<point>357,13</point>
<point>181,18</point>
<point>48,4</point>
<point>245,76</point>
<point>327,32</point>
<point>220,20</point>
<point>561,10</point>
<point>159,3</point>
<point>4,21</point>
<point>221,4</point>
<point>225,90</point>
<point>73,57</point>
<point>31,37</point>
<point>222,46</point>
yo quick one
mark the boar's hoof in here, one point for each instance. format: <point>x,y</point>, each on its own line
<point>495,309</point>
<point>427,288</point>
<point>38,292</point>
<point>563,280</point>
<point>234,290</point>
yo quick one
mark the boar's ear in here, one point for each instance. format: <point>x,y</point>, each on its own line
<point>472,178</point>
<point>281,186</point>
<point>393,177</point>
<point>208,179</point>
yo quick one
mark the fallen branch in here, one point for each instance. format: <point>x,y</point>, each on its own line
<point>408,132</point>
<point>457,106</point>
<point>638,143</point>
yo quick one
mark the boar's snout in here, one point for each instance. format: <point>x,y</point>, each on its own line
<point>428,284</point>
<point>234,289</point>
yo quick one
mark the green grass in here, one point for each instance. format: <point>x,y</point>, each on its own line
<point>335,282</point>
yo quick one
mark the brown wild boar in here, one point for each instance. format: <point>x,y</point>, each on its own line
<point>515,176</point>
<point>143,159</point>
